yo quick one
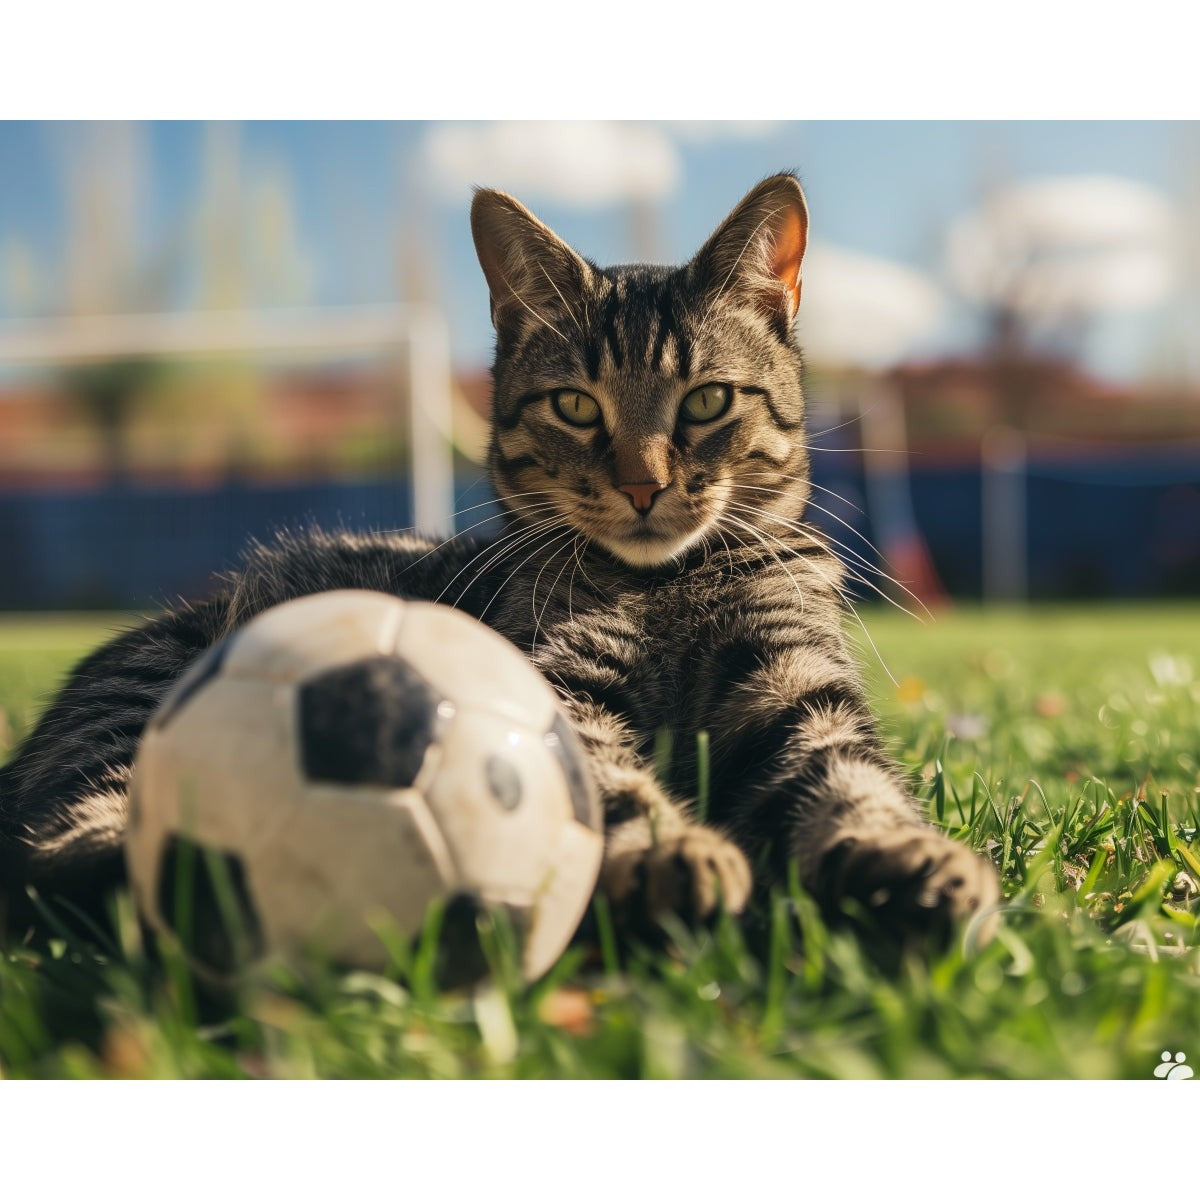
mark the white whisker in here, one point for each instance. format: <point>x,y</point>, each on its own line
<point>519,535</point>
<point>566,307</point>
<point>524,510</point>
<point>532,312</point>
<point>840,592</point>
<point>857,450</point>
<point>758,534</point>
<point>865,563</point>
<point>498,499</point>
<point>835,428</point>
<point>850,570</point>
<point>515,543</point>
<point>549,539</point>
<point>537,616</point>
<point>571,582</point>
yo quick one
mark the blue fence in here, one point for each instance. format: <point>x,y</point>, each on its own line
<point>135,546</point>
<point>1127,527</point>
<point>1123,527</point>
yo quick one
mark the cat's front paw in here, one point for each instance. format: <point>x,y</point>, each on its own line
<point>690,874</point>
<point>910,881</point>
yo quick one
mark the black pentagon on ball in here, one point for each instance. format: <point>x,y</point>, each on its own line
<point>367,722</point>
<point>203,896</point>
<point>191,681</point>
<point>562,741</point>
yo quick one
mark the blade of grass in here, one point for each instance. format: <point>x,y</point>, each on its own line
<point>702,749</point>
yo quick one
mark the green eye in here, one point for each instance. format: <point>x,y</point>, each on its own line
<point>576,408</point>
<point>706,403</point>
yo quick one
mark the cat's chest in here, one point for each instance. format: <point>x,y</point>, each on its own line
<point>648,624</point>
<point>651,627</point>
<point>544,596</point>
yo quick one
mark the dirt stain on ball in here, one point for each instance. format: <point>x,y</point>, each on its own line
<point>504,782</point>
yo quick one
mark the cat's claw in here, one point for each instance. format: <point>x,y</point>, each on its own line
<point>690,874</point>
<point>910,881</point>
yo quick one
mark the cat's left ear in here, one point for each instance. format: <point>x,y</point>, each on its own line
<point>759,247</point>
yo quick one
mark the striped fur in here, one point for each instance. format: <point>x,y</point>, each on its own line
<point>713,605</point>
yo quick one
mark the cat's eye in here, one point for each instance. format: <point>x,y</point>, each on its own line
<point>576,408</point>
<point>706,403</point>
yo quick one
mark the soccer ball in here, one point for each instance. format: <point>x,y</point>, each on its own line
<point>350,754</point>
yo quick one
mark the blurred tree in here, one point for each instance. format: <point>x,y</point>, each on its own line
<point>1043,259</point>
<point>109,392</point>
<point>21,275</point>
<point>111,267</point>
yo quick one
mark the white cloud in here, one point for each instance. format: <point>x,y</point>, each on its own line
<point>583,164</point>
<point>861,311</point>
<point>719,131</point>
<point>1057,247</point>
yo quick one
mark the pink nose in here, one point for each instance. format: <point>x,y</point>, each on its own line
<point>642,494</point>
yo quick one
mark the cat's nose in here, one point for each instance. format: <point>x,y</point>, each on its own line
<point>642,494</point>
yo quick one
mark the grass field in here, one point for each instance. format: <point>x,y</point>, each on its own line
<point>1064,743</point>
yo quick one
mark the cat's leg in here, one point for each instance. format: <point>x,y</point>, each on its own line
<point>63,796</point>
<point>800,773</point>
<point>657,859</point>
<point>854,832</point>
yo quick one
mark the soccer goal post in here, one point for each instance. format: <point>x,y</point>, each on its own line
<point>417,332</point>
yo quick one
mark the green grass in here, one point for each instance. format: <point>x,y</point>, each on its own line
<point>1064,743</point>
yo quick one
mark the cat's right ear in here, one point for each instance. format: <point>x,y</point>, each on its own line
<point>533,275</point>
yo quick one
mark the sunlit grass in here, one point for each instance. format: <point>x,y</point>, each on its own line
<point>1064,743</point>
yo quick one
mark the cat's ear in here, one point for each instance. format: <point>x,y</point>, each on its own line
<point>533,275</point>
<point>758,249</point>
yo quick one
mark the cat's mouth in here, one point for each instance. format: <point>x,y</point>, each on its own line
<point>652,541</point>
<point>675,523</point>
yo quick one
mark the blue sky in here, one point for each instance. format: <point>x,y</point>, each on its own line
<point>886,189</point>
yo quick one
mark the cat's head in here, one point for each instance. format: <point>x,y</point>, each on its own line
<point>648,408</point>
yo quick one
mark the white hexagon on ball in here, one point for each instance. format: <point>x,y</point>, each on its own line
<point>349,754</point>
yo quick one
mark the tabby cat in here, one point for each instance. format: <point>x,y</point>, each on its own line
<point>648,450</point>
